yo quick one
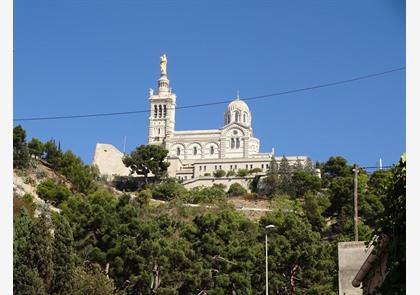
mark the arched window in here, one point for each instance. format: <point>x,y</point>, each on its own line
<point>228,119</point>
<point>160,111</point>
<point>158,130</point>
<point>195,150</point>
<point>244,117</point>
<point>238,143</point>
<point>237,116</point>
<point>164,111</point>
<point>212,150</point>
<point>156,111</point>
<point>232,143</point>
<point>178,151</point>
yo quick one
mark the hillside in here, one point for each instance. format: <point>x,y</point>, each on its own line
<point>79,233</point>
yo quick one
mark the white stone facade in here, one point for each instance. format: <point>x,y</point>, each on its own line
<point>196,153</point>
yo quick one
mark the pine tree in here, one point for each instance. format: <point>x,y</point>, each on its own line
<point>62,256</point>
<point>22,226</point>
<point>20,148</point>
<point>40,252</point>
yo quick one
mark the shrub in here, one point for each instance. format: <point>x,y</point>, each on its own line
<point>51,191</point>
<point>143,198</point>
<point>168,190</point>
<point>219,173</point>
<point>255,170</point>
<point>206,194</point>
<point>230,173</point>
<point>126,183</point>
<point>242,172</point>
<point>219,185</point>
<point>236,189</point>
<point>207,174</point>
<point>29,180</point>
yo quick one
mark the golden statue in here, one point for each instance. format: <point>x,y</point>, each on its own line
<point>163,62</point>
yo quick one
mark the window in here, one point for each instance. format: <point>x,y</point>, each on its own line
<point>199,167</point>
<point>164,111</point>
<point>228,119</point>
<point>158,130</point>
<point>178,151</point>
<point>235,132</point>
<point>160,111</point>
<point>232,143</point>
<point>266,166</point>
<point>215,167</point>
<point>156,111</point>
<point>236,166</point>
<point>211,150</point>
<point>250,166</point>
<point>262,166</point>
<point>238,143</point>
<point>220,167</point>
<point>231,167</point>
<point>205,168</point>
<point>195,151</point>
<point>237,116</point>
<point>246,166</point>
<point>244,117</point>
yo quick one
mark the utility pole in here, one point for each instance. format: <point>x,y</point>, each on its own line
<point>356,232</point>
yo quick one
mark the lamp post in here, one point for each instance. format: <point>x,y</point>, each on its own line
<point>270,226</point>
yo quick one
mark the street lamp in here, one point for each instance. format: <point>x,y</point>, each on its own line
<point>270,226</point>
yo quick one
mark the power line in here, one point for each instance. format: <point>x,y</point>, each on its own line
<point>218,102</point>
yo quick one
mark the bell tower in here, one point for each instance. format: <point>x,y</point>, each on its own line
<point>162,109</point>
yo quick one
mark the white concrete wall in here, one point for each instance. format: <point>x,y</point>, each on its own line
<point>209,181</point>
<point>108,159</point>
<point>351,256</point>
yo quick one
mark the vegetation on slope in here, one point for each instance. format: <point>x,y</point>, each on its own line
<point>105,244</point>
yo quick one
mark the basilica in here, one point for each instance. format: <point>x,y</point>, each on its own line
<point>194,155</point>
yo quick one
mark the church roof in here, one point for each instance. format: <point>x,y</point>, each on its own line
<point>237,104</point>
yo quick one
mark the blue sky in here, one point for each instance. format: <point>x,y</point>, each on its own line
<point>96,56</point>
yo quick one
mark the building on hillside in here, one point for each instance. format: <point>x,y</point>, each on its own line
<point>195,154</point>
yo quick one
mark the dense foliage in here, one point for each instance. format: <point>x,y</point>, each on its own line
<point>147,159</point>
<point>101,243</point>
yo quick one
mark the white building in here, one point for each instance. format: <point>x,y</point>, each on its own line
<point>195,154</point>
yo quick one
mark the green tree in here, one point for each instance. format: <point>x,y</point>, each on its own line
<point>313,210</point>
<point>90,280</point>
<point>62,257</point>
<point>236,189</point>
<point>40,253</point>
<point>24,279</point>
<point>52,154</point>
<point>335,167</point>
<point>51,191</point>
<point>36,147</point>
<point>147,159</point>
<point>300,262</point>
<point>392,223</point>
<point>242,172</point>
<point>20,148</point>
<point>219,173</point>
<point>303,182</point>
<point>168,190</point>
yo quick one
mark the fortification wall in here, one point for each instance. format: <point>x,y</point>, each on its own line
<point>208,181</point>
<point>108,159</point>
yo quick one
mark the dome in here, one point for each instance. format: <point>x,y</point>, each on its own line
<point>237,104</point>
<point>237,111</point>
